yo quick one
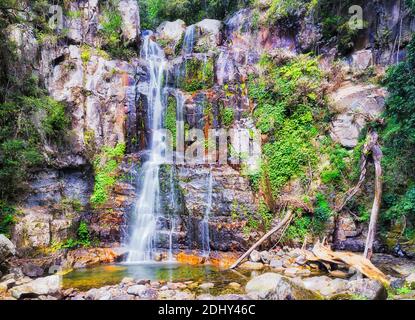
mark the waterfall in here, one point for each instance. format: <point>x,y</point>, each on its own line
<point>189,39</point>
<point>147,208</point>
<point>204,224</point>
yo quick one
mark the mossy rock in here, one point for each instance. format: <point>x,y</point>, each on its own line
<point>198,74</point>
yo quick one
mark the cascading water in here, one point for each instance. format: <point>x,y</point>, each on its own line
<point>189,39</point>
<point>204,224</point>
<point>147,208</point>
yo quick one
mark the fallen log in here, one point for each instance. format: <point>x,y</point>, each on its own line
<point>360,263</point>
<point>283,222</point>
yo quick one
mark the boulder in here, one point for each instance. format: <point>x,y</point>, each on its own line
<point>136,290</point>
<point>32,270</point>
<point>7,249</point>
<point>130,14</point>
<point>325,285</point>
<point>272,286</point>
<point>410,280</point>
<point>171,30</point>
<point>368,289</point>
<point>206,286</point>
<point>210,35</point>
<point>361,60</point>
<point>249,265</point>
<point>43,286</point>
<point>265,257</point>
<point>354,103</point>
<point>255,256</point>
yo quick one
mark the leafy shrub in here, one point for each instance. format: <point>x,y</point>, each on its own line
<point>198,75</point>
<point>227,116</point>
<point>286,95</point>
<point>7,217</point>
<point>106,165</point>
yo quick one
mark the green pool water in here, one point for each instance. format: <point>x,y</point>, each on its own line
<point>103,275</point>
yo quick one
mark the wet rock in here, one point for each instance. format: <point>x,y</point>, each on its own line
<point>367,288</point>
<point>173,31</point>
<point>7,249</point>
<point>136,290</point>
<point>249,265</point>
<point>276,264</point>
<point>210,35</point>
<point>43,286</point>
<point>397,283</point>
<point>130,14</point>
<point>300,260</point>
<point>82,258</point>
<point>265,257</point>
<point>255,256</point>
<point>271,286</point>
<point>325,285</point>
<point>127,280</point>
<point>294,272</point>
<point>206,286</point>
<point>32,271</point>
<point>98,294</point>
<point>410,280</point>
<point>234,285</point>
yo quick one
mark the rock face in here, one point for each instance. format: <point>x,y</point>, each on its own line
<point>354,104</point>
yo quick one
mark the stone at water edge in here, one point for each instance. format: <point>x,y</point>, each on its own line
<point>255,256</point>
<point>293,272</point>
<point>43,286</point>
<point>272,286</point>
<point>410,280</point>
<point>136,290</point>
<point>368,289</point>
<point>7,249</point>
<point>249,265</point>
<point>207,286</point>
<point>265,257</point>
<point>325,285</point>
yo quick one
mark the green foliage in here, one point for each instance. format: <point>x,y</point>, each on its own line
<point>111,32</point>
<point>322,211</point>
<point>288,9</point>
<point>334,18</point>
<point>84,238</point>
<point>399,141</point>
<point>153,12</point>
<point>198,75</point>
<point>333,174</point>
<point>287,96</point>
<point>106,165</point>
<point>411,5</point>
<point>299,229</point>
<point>7,217</point>
<point>227,116</point>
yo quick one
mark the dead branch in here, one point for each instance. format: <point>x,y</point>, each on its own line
<point>377,158</point>
<point>283,222</point>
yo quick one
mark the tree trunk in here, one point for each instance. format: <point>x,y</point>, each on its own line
<point>377,157</point>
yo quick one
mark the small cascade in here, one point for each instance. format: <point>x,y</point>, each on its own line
<point>147,208</point>
<point>204,224</point>
<point>189,39</point>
